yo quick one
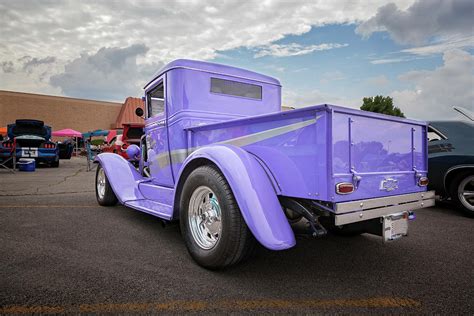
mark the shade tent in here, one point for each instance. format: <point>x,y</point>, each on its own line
<point>99,132</point>
<point>67,133</point>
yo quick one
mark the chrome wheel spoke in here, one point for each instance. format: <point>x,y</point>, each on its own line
<point>466,192</point>
<point>101,183</point>
<point>204,216</point>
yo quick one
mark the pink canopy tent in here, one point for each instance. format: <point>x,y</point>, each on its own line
<point>67,132</point>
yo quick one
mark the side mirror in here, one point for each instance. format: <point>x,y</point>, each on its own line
<point>139,112</point>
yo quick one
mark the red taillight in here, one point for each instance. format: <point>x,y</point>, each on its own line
<point>423,181</point>
<point>344,188</point>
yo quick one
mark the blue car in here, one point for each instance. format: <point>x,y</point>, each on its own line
<point>32,139</point>
<point>451,162</point>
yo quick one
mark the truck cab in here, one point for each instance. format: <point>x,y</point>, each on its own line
<point>188,93</point>
<point>220,156</point>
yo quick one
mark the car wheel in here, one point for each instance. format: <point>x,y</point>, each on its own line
<point>462,192</point>
<point>55,164</point>
<point>103,191</point>
<point>212,226</point>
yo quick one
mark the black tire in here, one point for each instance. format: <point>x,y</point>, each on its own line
<point>107,198</point>
<point>456,187</point>
<point>235,242</point>
<point>55,164</point>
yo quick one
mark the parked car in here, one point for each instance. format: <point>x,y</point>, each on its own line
<point>66,148</point>
<point>32,139</point>
<point>131,134</point>
<point>222,158</point>
<point>451,162</point>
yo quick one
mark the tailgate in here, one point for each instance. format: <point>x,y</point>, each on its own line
<point>381,155</point>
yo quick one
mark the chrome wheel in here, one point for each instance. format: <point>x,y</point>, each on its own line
<point>466,192</point>
<point>101,183</point>
<point>204,215</point>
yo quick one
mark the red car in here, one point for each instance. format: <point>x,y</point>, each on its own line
<point>132,134</point>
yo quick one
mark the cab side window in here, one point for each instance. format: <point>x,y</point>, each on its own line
<point>156,100</point>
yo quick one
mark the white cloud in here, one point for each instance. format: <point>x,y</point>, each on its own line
<point>170,29</point>
<point>442,45</point>
<point>436,91</point>
<point>299,99</point>
<point>294,49</point>
<point>422,21</point>
<point>332,76</point>
<point>379,81</point>
<point>387,61</point>
<point>109,74</point>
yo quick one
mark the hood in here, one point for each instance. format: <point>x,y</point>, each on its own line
<point>29,127</point>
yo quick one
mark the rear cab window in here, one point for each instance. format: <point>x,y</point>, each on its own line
<point>236,89</point>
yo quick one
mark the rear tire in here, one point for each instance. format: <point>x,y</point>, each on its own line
<point>212,226</point>
<point>461,192</point>
<point>55,164</point>
<point>103,191</point>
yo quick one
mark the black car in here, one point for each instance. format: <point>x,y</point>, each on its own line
<point>451,162</point>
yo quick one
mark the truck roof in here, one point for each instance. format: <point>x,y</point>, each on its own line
<point>214,68</point>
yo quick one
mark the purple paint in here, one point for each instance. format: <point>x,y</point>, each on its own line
<point>263,153</point>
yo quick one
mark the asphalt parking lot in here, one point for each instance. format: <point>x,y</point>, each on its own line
<point>61,252</point>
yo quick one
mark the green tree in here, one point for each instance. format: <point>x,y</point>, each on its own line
<point>381,104</point>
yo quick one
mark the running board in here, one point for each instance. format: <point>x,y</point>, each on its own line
<point>153,208</point>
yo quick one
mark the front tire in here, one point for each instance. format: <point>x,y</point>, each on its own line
<point>212,226</point>
<point>103,191</point>
<point>462,193</point>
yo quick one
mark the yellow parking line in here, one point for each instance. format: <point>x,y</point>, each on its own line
<point>47,206</point>
<point>223,305</point>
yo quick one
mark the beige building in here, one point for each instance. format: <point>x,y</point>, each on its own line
<point>58,112</point>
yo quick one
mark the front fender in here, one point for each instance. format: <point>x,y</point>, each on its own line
<point>253,192</point>
<point>122,176</point>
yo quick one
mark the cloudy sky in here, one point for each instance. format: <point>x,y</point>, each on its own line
<point>419,52</point>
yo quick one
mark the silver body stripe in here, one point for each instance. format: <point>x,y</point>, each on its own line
<point>179,155</point>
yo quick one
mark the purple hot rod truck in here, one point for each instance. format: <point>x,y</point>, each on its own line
<point>220,156</point>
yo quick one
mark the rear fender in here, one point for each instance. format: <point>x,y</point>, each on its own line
<point>122,176</point>
<point>253,192</point>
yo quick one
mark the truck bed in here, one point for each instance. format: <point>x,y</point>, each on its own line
<point>308,151</point>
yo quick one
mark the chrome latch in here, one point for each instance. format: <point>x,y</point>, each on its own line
<point>355,179</point>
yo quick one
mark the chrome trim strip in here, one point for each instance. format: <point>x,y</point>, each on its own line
<point>436,131</point>
<point>397,200</point>
<point>376,173</point>
<point>179,155</point>
<point>380,212</point>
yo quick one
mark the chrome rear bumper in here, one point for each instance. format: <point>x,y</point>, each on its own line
<point>357,211</point>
